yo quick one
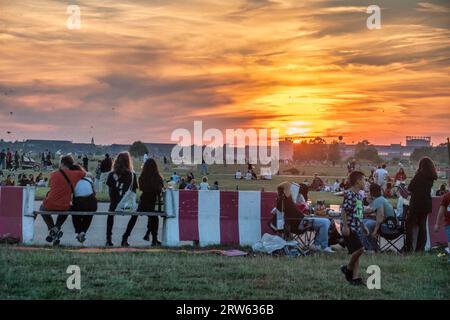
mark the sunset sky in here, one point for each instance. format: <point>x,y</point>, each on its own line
<point>137,70</point>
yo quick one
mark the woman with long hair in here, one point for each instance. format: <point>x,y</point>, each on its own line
<point>151,184</point>
<point>420,205</point>
<point>119,181</point>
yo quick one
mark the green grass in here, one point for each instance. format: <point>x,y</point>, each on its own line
<point>170,275</point>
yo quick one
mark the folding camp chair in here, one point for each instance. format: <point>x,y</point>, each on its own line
<point>392,233</point>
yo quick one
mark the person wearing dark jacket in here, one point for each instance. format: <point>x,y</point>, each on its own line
<point>420,205</point>
<point>285,203</point>
<point>119,182</point>
<point>151,184</point>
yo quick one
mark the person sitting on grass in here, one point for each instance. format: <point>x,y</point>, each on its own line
<point>191,185</point>
<point>285,203</point>
<point>443,218</point>
<point>204,185</point>
<point>442,190</point>
<point>317,184</point>
<point>59,198</point>
<point>238,175</point>
<point>400,175</point>
<point>183,184</point>
<point>215,186</point>
<point>352,215</point>
<point>8,182</point>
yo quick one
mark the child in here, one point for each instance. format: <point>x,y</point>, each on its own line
<point>204,185</point>
<point>352,215</point>
<point>443,218</point>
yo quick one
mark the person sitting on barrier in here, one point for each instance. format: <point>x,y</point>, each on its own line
<point>320,225</point>
<point>119,182</point>
<point>84,200</point>
<point>59,198</point>
<point>381,209</point>
<point>151,184</point>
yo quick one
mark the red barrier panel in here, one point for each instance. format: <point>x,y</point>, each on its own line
<point>11,203</point>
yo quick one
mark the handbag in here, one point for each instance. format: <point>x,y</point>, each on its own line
<point>128,202</point>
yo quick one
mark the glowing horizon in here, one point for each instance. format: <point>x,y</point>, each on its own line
<point>137,70</point>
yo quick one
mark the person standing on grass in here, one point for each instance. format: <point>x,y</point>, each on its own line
<point>86,162</point>
<point>420,205</point>
<point>352,215</point>
<point>381,175</point>
<point>105,169</point>
<point>119,182</point>
<point>59,198</point>
<point>152,185</point>
<point>2,159</point>
<point>443,218</point>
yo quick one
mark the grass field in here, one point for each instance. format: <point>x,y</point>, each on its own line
<point>170,275</point>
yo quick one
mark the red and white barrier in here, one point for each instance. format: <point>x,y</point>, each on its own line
<point>217,217</point>
<point>16,213</point>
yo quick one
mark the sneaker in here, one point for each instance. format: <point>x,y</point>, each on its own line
<point>328,250</point>
<point>147,237</point>
<point>156,243</point>
<point>51,234</point>
<point>357,282</point>
<point>57,237</point>
<point>81,237</point>
<point>125,244</point>
<point>109,243</point>
<point>348,274</point>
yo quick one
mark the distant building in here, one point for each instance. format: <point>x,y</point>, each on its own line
<point>418,141</point>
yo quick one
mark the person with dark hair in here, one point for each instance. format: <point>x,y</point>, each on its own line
<point>105,169</point>
<point>352,215</point>
<point>9,159</point>
<point>119,181</point>
<point>285,203</point>
<point>59,198</point>
<point>84,200</point>
<point>400,175</point>
<point>420,205</point>
<point>86,162</point>
<point>215,186</point>
<point>2,159</point>
<point>381,209</point>
<point>442,190</point>
<point>183,184</point>
<point>151,184</point>
<point>16,160</point>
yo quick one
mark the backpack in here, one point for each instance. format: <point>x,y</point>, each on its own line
<point>128,202</point>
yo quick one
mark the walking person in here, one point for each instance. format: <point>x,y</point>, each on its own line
<point>420,205</point>
<point>16,160</point>
<point>119,181</point>
<point>151,184</point>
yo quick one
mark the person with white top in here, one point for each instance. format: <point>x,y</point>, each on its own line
<point>381,175</point>
<point>146,157</point>
<point>175,177</point>
<point>204,185</point>
<point>84,199</point>
<point>238,175</point>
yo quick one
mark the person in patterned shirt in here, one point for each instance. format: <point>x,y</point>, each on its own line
<point>352,215</point>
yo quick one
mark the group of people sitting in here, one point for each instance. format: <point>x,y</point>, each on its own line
<point>72,189</point>
<point>189,183</point>
<point>361,223</point>
<point>24,180</point>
